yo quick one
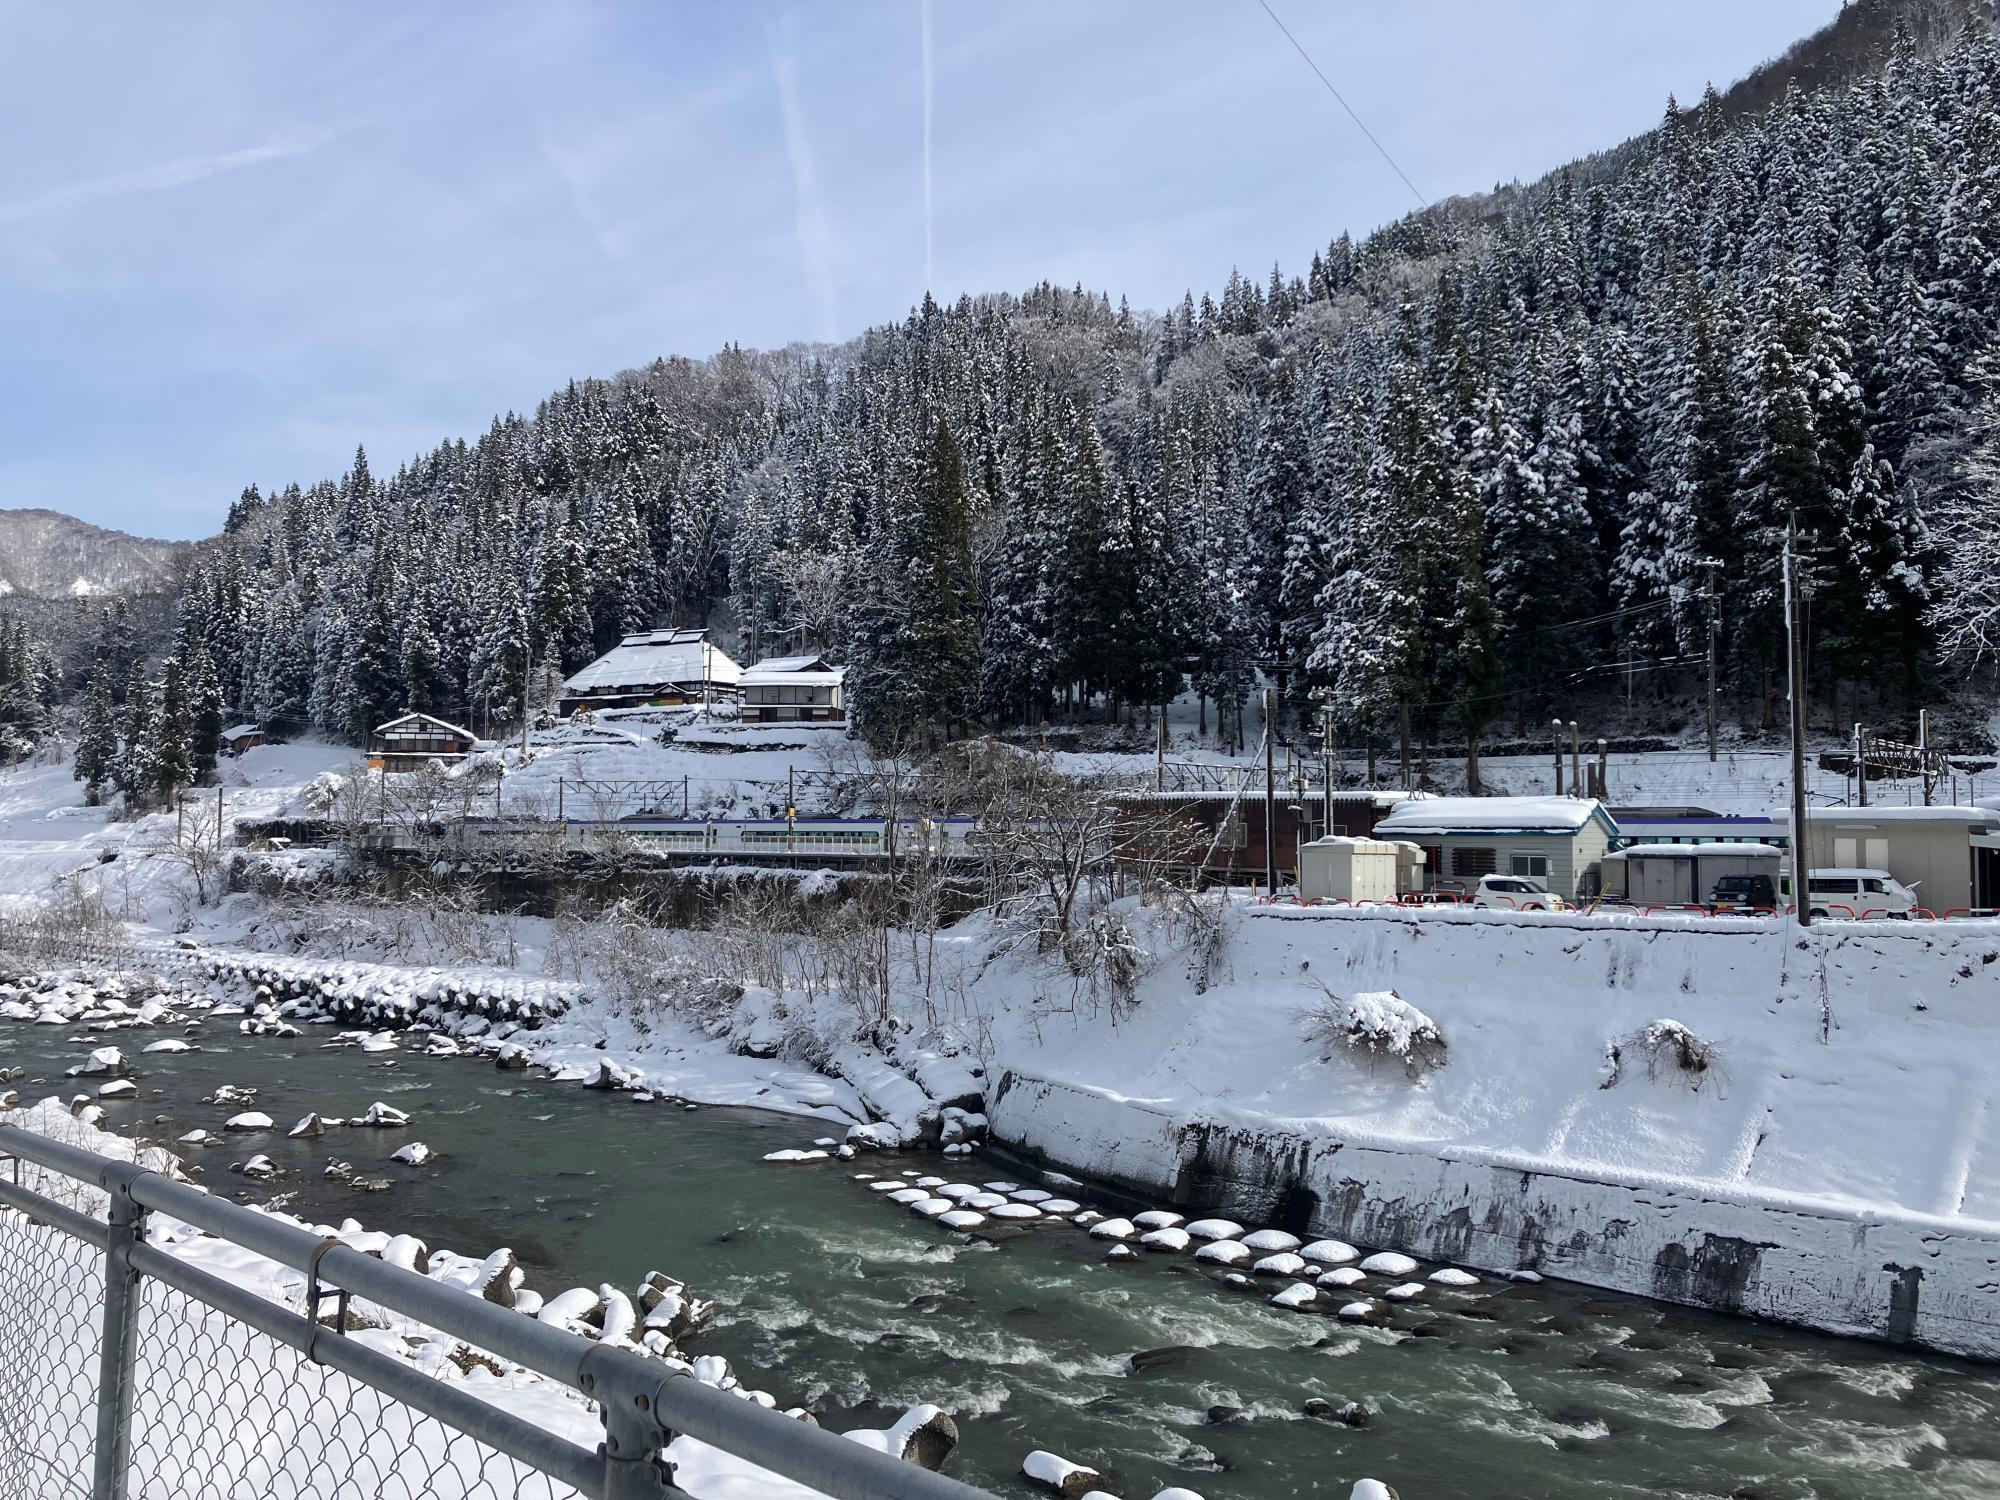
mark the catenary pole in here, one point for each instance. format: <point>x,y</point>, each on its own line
<point>1801,850</point>
<point>1270,800</point>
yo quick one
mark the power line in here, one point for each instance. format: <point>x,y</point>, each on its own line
<point>1359,123</point>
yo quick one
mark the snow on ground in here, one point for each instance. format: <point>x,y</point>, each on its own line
<point>1832,1121</point>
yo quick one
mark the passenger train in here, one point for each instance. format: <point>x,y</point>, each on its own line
<point>817,839</point>
<point>1695,825</point>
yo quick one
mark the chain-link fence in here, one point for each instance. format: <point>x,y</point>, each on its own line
<point>51,1308</point>
<point>276,1364</point>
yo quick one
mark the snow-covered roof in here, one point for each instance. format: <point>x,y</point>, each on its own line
<point>1689,851</point>
<point>436,723</point>
<point>1447,815</point>
<point>1864,815</point>
<point>237,731</point>
<point>790,664</point>
<point>768,674</point>
<point>655,659</point>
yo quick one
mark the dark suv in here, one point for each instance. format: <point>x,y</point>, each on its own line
<point>1744,893</point>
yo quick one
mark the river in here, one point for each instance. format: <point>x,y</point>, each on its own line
<point>830,1296</point>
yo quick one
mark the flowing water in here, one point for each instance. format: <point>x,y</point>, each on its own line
<point>832,1297</point>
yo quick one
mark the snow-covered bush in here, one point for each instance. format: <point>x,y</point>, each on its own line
<point>1378,1023</point>
<point>1668,1047</point>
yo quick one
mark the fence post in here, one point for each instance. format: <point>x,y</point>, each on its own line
<point>119,1354</point>
<point>633,1469</point>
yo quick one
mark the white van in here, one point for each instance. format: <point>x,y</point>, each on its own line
<point>1841,892</point>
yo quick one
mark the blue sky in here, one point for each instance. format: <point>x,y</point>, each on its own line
<point>237,239</point>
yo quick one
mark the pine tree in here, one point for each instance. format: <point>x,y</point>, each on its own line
<point>173,733</point>
<point>97,740</point>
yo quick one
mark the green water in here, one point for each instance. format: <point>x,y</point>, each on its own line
<point>832,1297</point>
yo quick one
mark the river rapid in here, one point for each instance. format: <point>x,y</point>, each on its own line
<point>830,1296</point>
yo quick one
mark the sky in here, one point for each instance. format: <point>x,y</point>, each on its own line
<point>239,239</point>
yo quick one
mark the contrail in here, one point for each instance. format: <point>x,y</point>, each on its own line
<point>159,178</point>
<point>815,239</point>
<point>930,276</point>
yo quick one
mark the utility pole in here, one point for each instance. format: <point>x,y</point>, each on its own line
<point>1924,750</point>
<point>1714,634</point>
<point>527,687</point>
<point>1603,771</point>
<point>1326,755</point>
<point>1861,764</point>
<point>1160,753</point>
<point>1270,802</point>
<point>791,807</point>
<point>1795,677</point>
<point>1557,725</point>
<point>1575,761</point>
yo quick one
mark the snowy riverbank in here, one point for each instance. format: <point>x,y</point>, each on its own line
<point>1725,1113</point>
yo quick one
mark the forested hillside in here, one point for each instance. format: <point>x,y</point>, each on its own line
<point>1455,471</point>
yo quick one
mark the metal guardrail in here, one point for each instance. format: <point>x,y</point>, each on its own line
<point>192,1389</point>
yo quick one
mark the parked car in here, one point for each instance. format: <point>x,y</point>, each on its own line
<point>1844,893</point>
<point>1516,893</point>
<point>1744,893</point>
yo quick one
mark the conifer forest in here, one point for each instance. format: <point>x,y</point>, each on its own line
<point>1500,454</point>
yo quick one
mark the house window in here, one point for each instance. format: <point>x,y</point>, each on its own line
<point>1472,863</point>
<point>1533,866</point>
<point>1235,833</point>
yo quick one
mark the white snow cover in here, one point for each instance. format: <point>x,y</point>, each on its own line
<point>1298,1294</point>
<point>1440,815</point>
<point>1388,1263</point>
<point>1841,1136</point>
<point>1215,1229</point>
<point>1271,1239</point>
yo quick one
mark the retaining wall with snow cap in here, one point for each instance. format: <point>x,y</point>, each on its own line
<point>1834,1164</point>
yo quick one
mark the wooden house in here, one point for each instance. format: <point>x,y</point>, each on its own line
<point>793,690</point>
<point>240,737</point>
<point>414,740</point>
<point>654,668</point>
<point>1220,834</point>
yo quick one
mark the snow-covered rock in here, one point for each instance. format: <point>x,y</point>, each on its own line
<point>1407,1291</point>
<point>168,1044</point>
<point>1157,1218</point>
<point>1452,1276</point>
<point>416,1154</point>
<point>1070,1480</point>
<point>1284,1263</point>
<point>1267,1240</point>
<point>250,1119</point>
<point>1298,1294</point>
<point>105,1062</point>
<point>1223,1253</point>
<point>961,1218</point>
<point>1330,1252</point>
<point>1172,1239</point>
<point>1215,1229</point>
<point>118,1088</point>
<point>312,1125</point>
<point>380,1114</point>
<point>1341,1276</point>
<point>1113,1229</point>
<point>795,1155</point>
<point>1016,1211</point>
<point>1389,1263</point>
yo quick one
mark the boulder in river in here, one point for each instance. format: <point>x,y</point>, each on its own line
<point>250,1119</point>
<point>105,1062</point>
<point>927,1436</point>
<point>312,1125</point>
<point>1070,1480</point>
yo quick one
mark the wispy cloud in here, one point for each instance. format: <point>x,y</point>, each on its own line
<point>815,238</point>
<point>930,275</point>
<point>156,179</point>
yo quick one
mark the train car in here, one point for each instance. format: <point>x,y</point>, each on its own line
<point>1695,825</point>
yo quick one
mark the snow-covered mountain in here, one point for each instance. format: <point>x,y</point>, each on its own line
<point>48,555</point>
